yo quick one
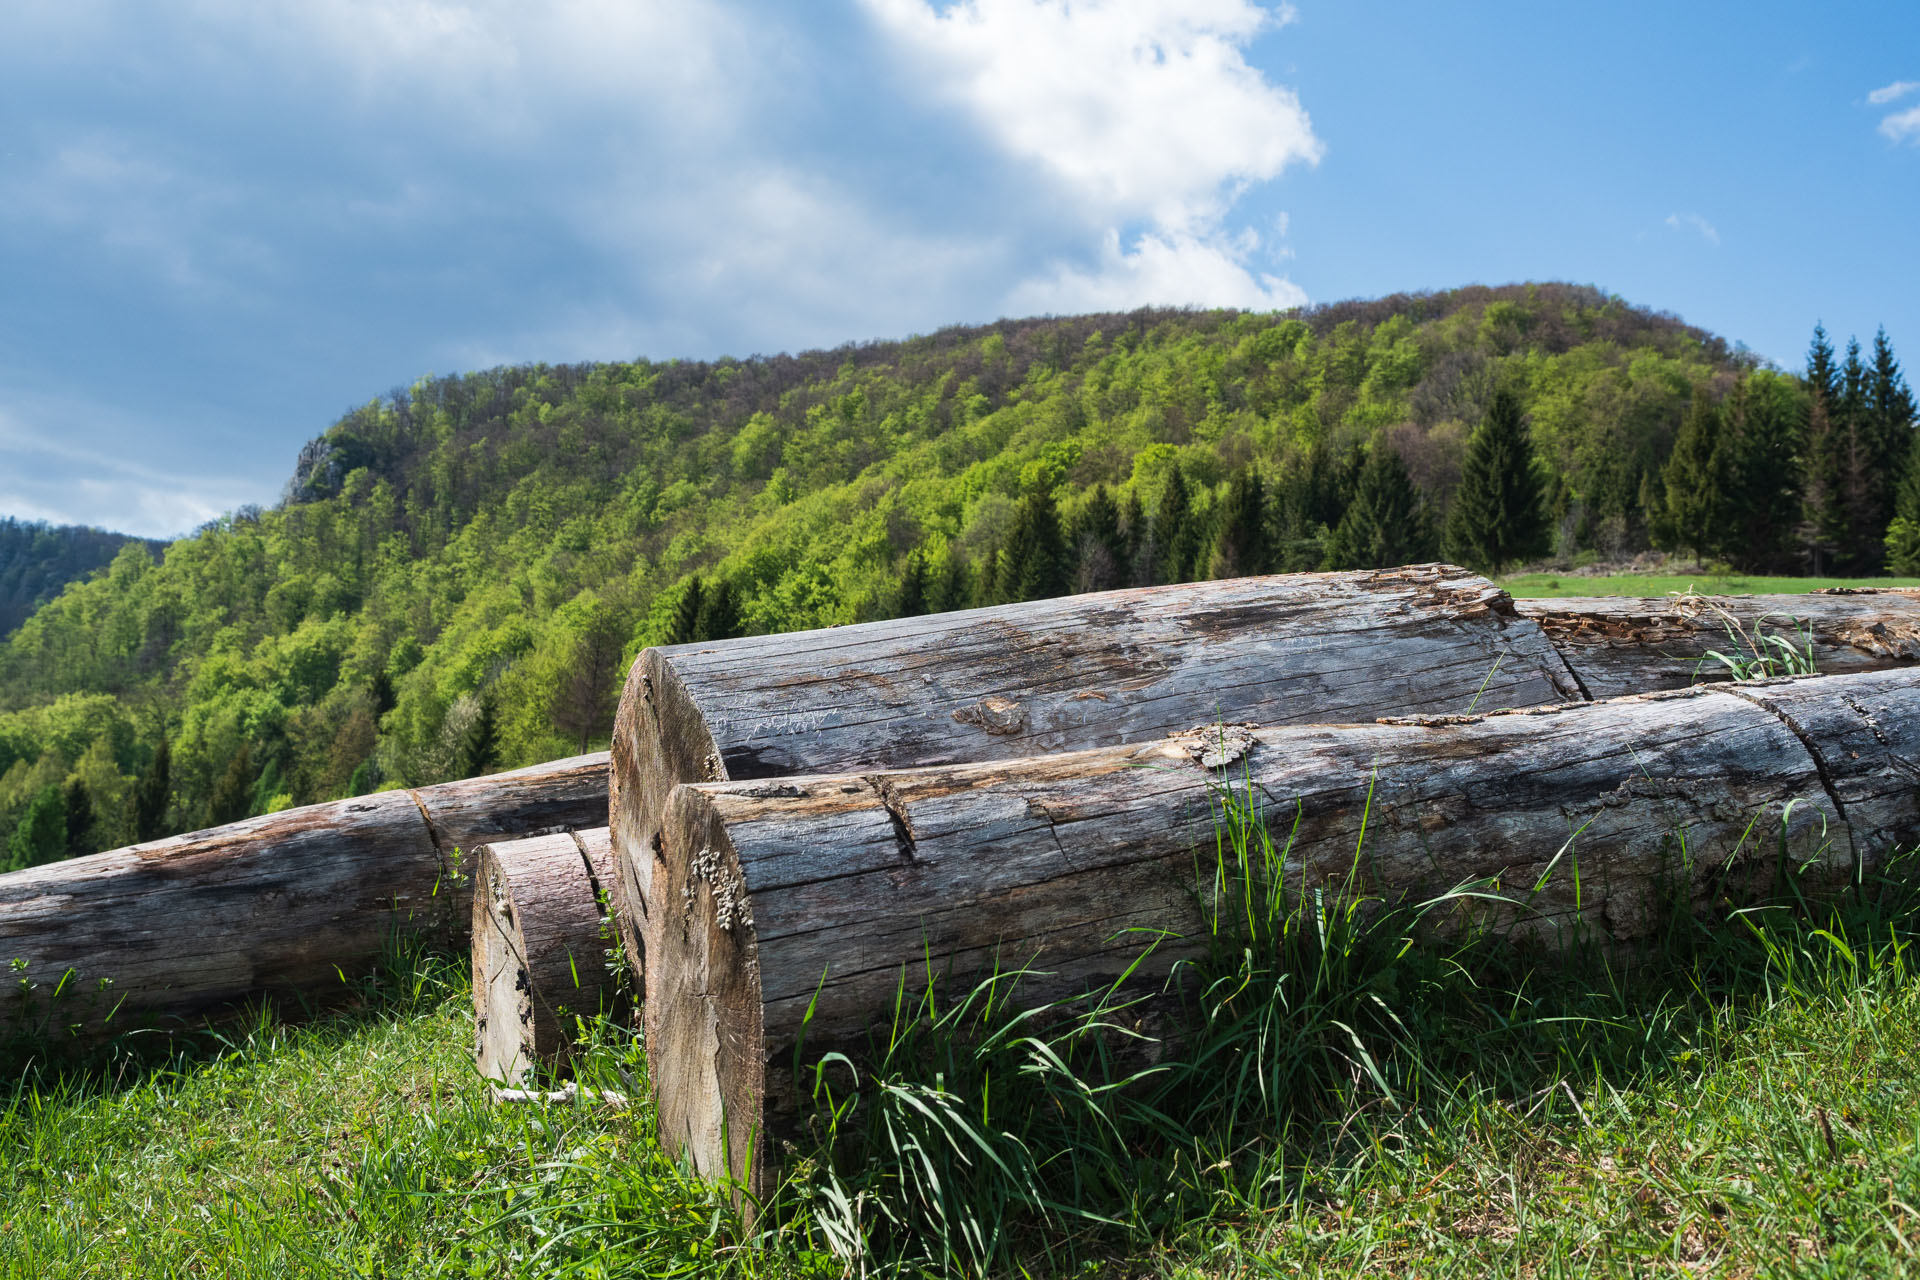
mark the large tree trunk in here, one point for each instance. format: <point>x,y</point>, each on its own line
<point>1619,645</point>
<point>1597,820</point>
<point>1055,675</point>
<point>289,905</point>
<point>538,955</point>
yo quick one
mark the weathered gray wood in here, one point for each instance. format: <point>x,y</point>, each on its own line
<point>284,905</point>
<point>539,957</point>
<point>1619,645</point>
<point>1053,675</point>
<point>1866,741</point>
<point>822,890</point>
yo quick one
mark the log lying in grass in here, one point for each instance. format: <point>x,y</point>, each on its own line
<point>1596,820</point>
<point>1054,675</point>
<point>289,905</point>
<point>1619,645</point>
<point>539,956</point>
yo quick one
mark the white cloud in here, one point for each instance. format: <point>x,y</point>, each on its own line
<point>1136,112</point>
<point>1159,268</point>
<point>1893,92</point>
<point>1693,221</point>
<point>1903,126</point>
<point>1137,107</point>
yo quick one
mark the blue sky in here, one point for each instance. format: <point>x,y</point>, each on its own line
<point>223,222</point>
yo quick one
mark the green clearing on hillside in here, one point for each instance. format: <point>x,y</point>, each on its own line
<point>1745,1106</point>
<point>1537,586</point>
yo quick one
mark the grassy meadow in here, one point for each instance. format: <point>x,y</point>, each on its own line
<point>1745,1102</point>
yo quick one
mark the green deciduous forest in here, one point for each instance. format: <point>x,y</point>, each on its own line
<point>459,571</point>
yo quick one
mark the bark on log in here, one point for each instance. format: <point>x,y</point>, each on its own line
<point>1055,675</point>
<point>539,957</point>
<point>1619,645</point>
<point>823,890</point>
<point>283,905</point>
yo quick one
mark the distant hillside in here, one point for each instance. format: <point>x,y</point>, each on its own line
<point>38,559</point>
<point>458,572</point>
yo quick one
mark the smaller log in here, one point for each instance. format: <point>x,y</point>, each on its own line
<point>287,905</point>
<point>1620,645</point>
<point>539,949</point>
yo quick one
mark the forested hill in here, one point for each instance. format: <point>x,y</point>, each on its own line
<point>38,559</point>
<point>459,572</point>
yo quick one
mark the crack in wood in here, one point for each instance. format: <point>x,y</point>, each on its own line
<point>1806,741</point>
<point>903,833</point>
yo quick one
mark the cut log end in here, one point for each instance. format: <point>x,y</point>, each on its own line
<point>538,951</point>
<point>705,1025</point>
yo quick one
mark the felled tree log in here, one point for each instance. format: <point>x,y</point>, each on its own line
<point>1619,645</point>
<point>538,954</point>
<point>288,905</point>
<point>1054,675</point>
<point>1597,821</point>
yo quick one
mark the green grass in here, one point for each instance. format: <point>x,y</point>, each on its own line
<point>1352,1101</point>
<point>1547,585</point>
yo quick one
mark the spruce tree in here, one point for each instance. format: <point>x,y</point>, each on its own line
<point>1760,429</point>
<point>1136,537</point>
<point>1035,555</point>
<point>1099,550</point>
<point>1865,475</point>
<point>1240,530</point>
<point>1173,530</point>
<point>911,602</point>
<point>685,628</point>
<point>1499,511</point>
<point>718,617</point>
<point>1822,532</point>
<point>41,835</point>
<point>986,578</point>
<point>232,797</point>
<point>1695,480</point>
<point>1387,523</point>
<point>1890,409</point>
<point>152,795</point>
<point>481,746</point>
<point>77,798</point>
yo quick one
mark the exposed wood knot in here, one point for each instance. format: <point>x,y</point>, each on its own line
<point>1216,746</point>
<point>999,716</point>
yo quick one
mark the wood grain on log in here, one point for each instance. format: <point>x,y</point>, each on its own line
<point>1618,645</point>
<point>287,905</point>
<point>1053,675</point>
<point>539,957</point>
<point>824,890</point>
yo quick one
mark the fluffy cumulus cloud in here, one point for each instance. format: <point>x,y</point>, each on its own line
<point>1138,114</point>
